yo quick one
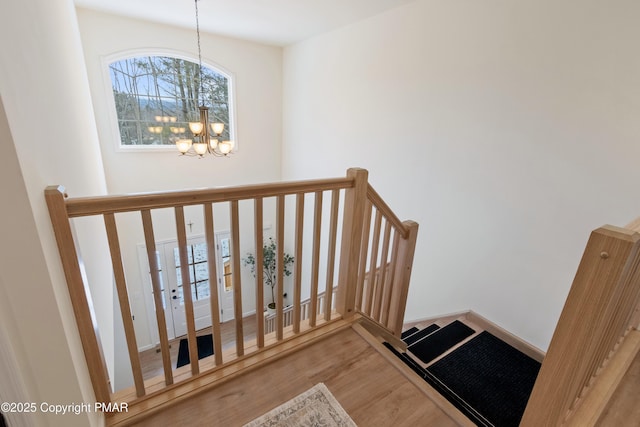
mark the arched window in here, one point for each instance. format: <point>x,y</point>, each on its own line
<point>156,96</point>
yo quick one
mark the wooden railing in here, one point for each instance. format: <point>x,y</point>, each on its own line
<point>305,312</point>
<point>598,324</point>
<point>381,296</point>
<point>386,258</point>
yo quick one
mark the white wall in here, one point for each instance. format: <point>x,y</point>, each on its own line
<point>257,73</point>
<point>257,70</point>
<point>48,136</point>
<point>508,130</point>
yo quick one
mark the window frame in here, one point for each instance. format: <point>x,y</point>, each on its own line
<point>107,60</point>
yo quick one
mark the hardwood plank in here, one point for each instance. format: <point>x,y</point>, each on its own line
<point>371,390</point>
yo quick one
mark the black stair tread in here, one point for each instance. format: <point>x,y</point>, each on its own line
<point>489,375</point>
<point>440,341</point>
<point>472,414</point>
<point>408,332</point>
<point>421,334</point>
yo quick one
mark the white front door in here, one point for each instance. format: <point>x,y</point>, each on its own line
<point>199,285</point>
<point>225,283</point>
<point>171,286</point>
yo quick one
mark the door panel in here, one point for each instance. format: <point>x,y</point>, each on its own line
<point>225,279</point>
<point>199,285</point>
<point>172,287</point>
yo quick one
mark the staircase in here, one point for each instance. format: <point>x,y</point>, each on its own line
<point>479,373</point>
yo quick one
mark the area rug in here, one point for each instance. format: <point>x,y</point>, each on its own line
<point>205,349</point>
<point>314,407</point>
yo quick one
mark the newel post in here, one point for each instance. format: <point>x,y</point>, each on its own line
<point>78,293</point>
<point>402,277</point>
<point>354,208</point>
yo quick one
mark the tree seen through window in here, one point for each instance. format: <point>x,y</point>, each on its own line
<point>156,97</point>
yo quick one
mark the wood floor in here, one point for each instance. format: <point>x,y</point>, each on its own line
<point>151,360</point>
<point>371,390</point>
<point>368,387</point>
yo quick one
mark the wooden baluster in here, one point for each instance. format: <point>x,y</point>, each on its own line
<point>364,251</point>
<point>315,263</point>
<point>373,265</point>
<point>259,237</point>
<point>123,299</point>
<point>186,289</point>
<point>154,271</point>
<point>382,278</point>
<point>235,277</point>
<point>388,285</point>
<point>279,267</point>
<point>78,292</point>
<point>331,257</point>
<point>297,264</point>
<point>213,281</point>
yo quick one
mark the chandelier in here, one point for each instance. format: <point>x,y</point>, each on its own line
<point>206,136</point>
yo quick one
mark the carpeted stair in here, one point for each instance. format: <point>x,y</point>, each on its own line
<point>485,378</point>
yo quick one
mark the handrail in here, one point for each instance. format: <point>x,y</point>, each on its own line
<point>86,206</point>
<point>359,201</point>
<point>386,211</point>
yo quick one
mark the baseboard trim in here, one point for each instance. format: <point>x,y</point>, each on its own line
<point>514,341</point>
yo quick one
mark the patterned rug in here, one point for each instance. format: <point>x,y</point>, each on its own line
<point>314,407</point>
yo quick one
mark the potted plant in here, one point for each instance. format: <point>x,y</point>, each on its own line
<point>269,260</point>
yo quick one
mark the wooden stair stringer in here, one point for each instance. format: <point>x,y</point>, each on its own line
<point>446,406</point>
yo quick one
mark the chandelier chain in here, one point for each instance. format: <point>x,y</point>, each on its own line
<point>199,56</point>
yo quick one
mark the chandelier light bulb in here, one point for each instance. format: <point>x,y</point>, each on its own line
<point>196,127</point>
<point>225,147</point>
<point>183,145</point>
<point>217,128</point>
<point>200,148</point>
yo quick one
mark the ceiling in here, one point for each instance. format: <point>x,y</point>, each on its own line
<point>276,22</point>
